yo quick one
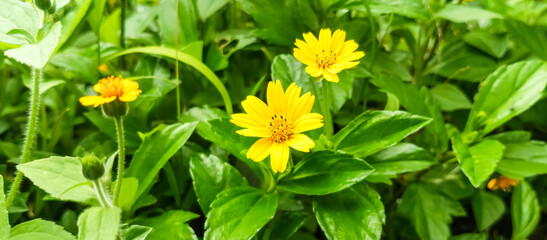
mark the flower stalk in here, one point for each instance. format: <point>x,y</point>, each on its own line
<point>327,117</point>
<point>101,194</point>
<point>32,124</point>
<point>121,159</point>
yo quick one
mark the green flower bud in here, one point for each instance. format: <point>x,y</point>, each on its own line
<point>115,109</point>
<point>43,4</point>
<point>92,167</point>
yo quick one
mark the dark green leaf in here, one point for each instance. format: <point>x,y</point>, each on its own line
<point>469,236</point>
<point>487,209</point>
<point>99,223</point>
<point>373,131</point>
<point>39,229</point>
<point>239,213</point>
<point>450,97</point>
<point>170,225</point>
<point>401,158</point>
<point>457,61</point>
<point>528,36</point>
<point>286,225</point>
<point>525,210</point>
<point>523,159</point>
<point>187,31</point>
<point>325,172</point>
<point>493,44</point>
<point>355,213</point>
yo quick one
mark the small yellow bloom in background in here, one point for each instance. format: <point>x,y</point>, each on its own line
<point>503,182</point>
<point>279,124</point>
<point>103,68</point>
<point>112,88</point>
<point>327,56</point>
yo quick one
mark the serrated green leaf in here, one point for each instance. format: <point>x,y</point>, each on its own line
<point>373,131</point>
<point>487,209</point>
<point>239,213</point>
<point>211,176</point>
<point>525,211</point>
<point>56,175</point>
<point>39,229</point>
<point>99,223</point>
<point>16,14</point>
<point>355,213</point>
<point>37,55</point>
<point>325,172</point>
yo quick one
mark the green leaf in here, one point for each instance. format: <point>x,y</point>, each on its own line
<point>458,61</point>
<point>401,158</point>
<point>494,44</point>
<point>450,97</point>
<point>16,14</point>
<point>187,59</point>
<point>429,211</point>
<point>156,149</point>
<point>525,211</point>
<point>418,102</point>
<point>239,213</point>
<point>487,209</point>
<point>99,223</point>
<point>407,8</point>
<point>528,37</point>
<point>4,218</point>
<point>206,8</point>
<point>479,161</point>
<point>135,232</point>
<point>211,176</point>
<point>373,131</point>
<point>506,93</point>
<point>355,213</point>
<point>39,229</point>
<point>37,55</point>
<point>170,225</point>
<point>463,13</point>
<point>286,225</point>
<point>128,193</point>
<point>325,172</point>
<point>72,20</point>
<point>187,31</point>
<point>523,159</point>
<point>469,236</point>
<point>56,175</point>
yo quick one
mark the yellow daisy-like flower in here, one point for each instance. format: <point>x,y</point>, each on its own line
<point>327,56</point>
<point>279,124</point>
<point>503,182</point>
<point>112,88</point>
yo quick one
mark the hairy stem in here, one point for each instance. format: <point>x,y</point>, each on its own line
<point>121,160</point>
<point>30,134</point>
<point>327,118</point>
<point>103,197</point>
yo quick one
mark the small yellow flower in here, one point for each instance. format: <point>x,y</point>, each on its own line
<point>103,68</point>
<point>503,182</point>
<point>279,124</point>
<point>111,88</point>
<point>327,56</point>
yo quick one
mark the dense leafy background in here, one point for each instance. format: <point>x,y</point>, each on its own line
<point>449,95</point>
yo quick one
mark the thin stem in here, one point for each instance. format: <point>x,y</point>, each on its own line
<point>373,31</point>
<point>30,135</point>
<point>121,160</point>
<point>177,56</point>
<point>103,198</point>
<point>327,118</point>
<point>122,30</point>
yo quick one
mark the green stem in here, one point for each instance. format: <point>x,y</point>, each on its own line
<point>177,57</point>
<point>101,193</point>
<point>327,118</point>
<point>269,182</point>
<point>122,30</point>
<point>121,160</point>
<point>30,135</point>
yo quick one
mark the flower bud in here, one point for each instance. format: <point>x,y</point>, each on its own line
<point>115,109</point>
<point>43,4</point>
<point>92,167</point>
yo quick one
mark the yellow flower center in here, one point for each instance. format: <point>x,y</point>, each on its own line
<point>280,128</point>
<point>325,59</point>
<point>111,86</point>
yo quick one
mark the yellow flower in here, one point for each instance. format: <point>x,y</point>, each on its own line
<point>279,124</point>
<point>327,56</point>
<point>111,88</point>
<point>503,182</point>
<point>103,68</point>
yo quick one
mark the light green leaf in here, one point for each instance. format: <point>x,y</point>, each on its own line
<point>206,8</point>
<point>286,225</point>
<point>463,13</point>
<point>493,44</point>
<point>450,97</point>
<point>187,31</point>
<point>155,150</point>
<point>212,176</point>
<point>135,232</point>
<point>523,159</point>
<point>355,213</point>
<point>15,14</point>
<point>373,131</point>
<point>99,223</point>
<point>506,93</point>
<point>170,225</point>
<point>458,61</point>
<point>56,175</point>
<point>239,213</point>
<point>401,158</point>
<point>487,209</point>
<point>39,229</point>
<point>528,37</point>
<point>37,55</point>
<point>4,218</point>
<point>128,193</point>
<point>72,20</point>
<point>525,211</point>
<point>325,172</point>
<point>479,161</point>
<point>407,8</point>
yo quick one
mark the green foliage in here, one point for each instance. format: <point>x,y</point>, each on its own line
<point>39,229</point>
<point>525,211</point>
<point>99,223</point>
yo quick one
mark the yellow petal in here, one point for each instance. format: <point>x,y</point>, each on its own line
<point>91,100</point>
<point>303,106</point>
<point>350,57</point>
<point>110,99</point>
<point>303,58</point>
<point>97,88</point>
<point>130,96</point>
<point>308,122</point>
<point>331,77</point>
<point>256,109</point>
<point>338,38</point>
<point>279,156</point>
<point>305,48</point>
<point>292,94</point>
<point>324,39</point>
<point>275,95</point>
<point>314,71</point>
<point>301,142</point>
<point>260,149</point>
<point>253,133</point>
<point>311,41</point>
<point>129,85</point>
<point>245,121</point>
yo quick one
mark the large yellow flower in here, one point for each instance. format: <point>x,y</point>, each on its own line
<point>327,56</point>
<point>111,88</point>
<point>279,124</point>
